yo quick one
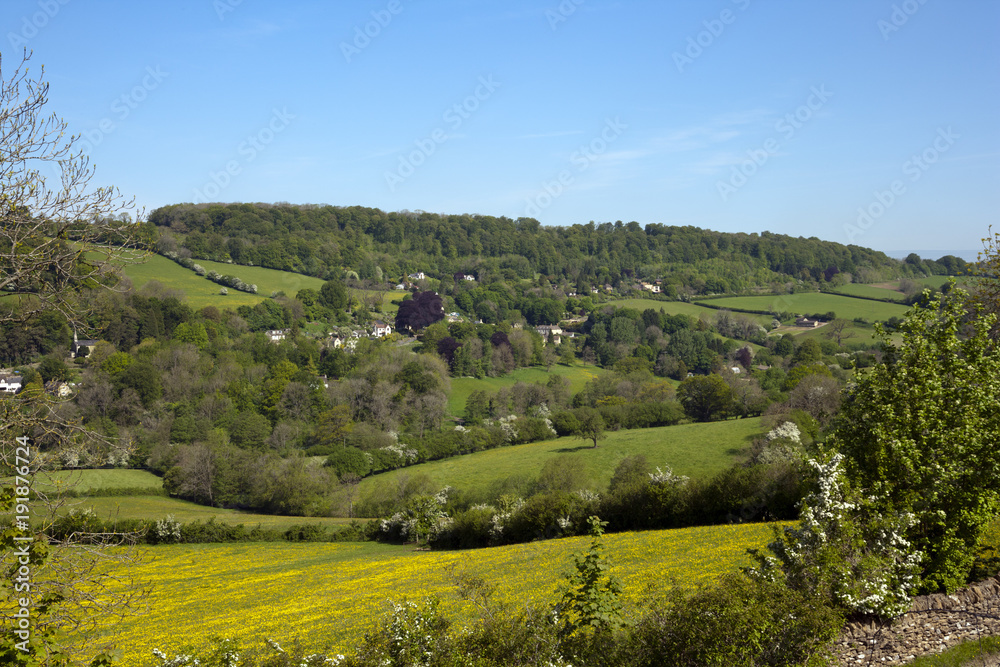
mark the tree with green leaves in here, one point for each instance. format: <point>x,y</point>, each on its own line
<point>921,432</point>
<point>705,397</point>
<point>333,294</point>
<point>590,424</point>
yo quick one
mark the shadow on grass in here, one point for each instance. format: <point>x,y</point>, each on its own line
<point>569,450</point>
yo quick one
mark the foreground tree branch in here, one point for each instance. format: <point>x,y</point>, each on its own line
<point>59,238</point>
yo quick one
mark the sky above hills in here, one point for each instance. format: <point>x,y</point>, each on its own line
<point>863,121</point>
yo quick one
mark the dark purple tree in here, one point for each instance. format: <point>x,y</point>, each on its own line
<point>423,309</point>
<point>446,348</point>
<point>498,339</point>
<point>744,356</point>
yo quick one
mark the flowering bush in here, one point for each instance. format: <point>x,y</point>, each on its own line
<point>844,551</point>
<point>786,431</point>
<point>666,477</point>
<point>168,530</point>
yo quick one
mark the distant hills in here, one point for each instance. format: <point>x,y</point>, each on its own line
<point>328,241</point>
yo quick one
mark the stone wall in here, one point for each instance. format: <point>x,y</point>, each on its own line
<point>934,623</point>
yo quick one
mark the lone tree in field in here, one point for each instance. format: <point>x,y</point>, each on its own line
<point>590,425</point>
<point>59,238</point>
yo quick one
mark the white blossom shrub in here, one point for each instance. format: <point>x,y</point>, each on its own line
<point>422,520</point>
<point>845,551</point>
<point>168,529</point>
<point>588,496</point>
<point>542,412</point>
<point>509,505</point>
<point>506,425</point>
<point>118,456</point>
<point>786,431</point>
<point>666,477</point>
<point>782,444</point>
<point>71,457</point>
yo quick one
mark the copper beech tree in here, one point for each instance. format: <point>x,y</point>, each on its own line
<point>60,238</point>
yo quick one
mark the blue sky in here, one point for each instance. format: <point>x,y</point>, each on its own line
<point>871,122</point>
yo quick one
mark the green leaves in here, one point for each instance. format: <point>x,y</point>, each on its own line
<point>590,601</point>
<point>921,432</point>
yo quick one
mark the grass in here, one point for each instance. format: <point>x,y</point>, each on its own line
<point>198,292</point>
<point>679,308</point>
<point>577,375</point>
<point>967,654</point>
<point>861,334</point>
<point>86,480</point>
<point>330,594</point>
<point>153,506</point>
<point>266,280</point>
<point>871,291</point>
<point>813,302</point>
<point>158,507</point>
<point>695,450</point>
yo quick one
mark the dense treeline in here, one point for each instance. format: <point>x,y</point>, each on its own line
<point>226,414</point>
<point>324,241</point>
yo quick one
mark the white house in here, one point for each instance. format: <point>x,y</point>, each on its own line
<point>381,329</point>
<point>275,335</point>
<point>10,384</point>
<point>806,322</point>
<point>545,330</point>
<point>419,275</point>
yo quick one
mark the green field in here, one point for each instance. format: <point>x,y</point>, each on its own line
<point>266,280</point>
<point>330,594</point>
<point>199,292</point>
<point>154,506</point>
<point>158,507</point>
<point>679,308</point>
<point>870,291</point>
<point>937,281</point>
<point>695,450</point>
<point>86,480</point>
<point>578,376</point>
<point>812,302</point>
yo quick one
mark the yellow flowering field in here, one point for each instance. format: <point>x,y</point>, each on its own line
<point>330,594</point>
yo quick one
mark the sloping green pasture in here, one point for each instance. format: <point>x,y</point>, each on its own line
<point>158,507</point>
<point>87,480</point>
<point>578,376</point>
<point>813,302</point>
<point>679,308</point>
<point>695,450</point>
<point>198,291</point>
<point>871,291</point>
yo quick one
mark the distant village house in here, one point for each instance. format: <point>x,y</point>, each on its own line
<point>276,335</point>
<point>10,384</point>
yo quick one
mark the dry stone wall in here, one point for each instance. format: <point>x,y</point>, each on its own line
<point>934,623</point>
